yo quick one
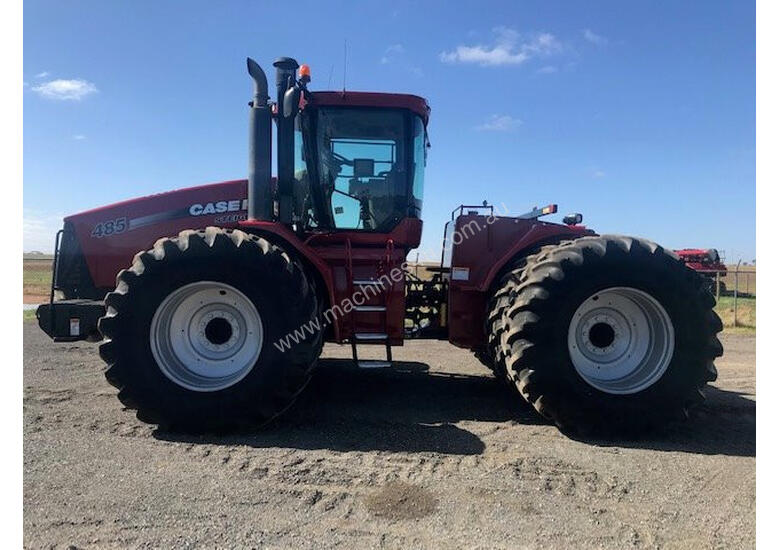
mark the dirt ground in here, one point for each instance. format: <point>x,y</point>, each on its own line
<point>432,454</point>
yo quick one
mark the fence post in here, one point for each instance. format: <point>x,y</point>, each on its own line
<point>736,291</point>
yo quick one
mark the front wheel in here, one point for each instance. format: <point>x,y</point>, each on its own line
<point>610,334</point>
<point>210,330</point>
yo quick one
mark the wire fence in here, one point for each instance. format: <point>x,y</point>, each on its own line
<point>736,296</point>
<point>741,279</point>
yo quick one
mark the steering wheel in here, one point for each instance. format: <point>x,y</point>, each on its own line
<point>341,159</point>
<point>351,196</point>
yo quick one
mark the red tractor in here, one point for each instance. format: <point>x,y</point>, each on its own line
<point>706,262</point>
<point>219,319</point>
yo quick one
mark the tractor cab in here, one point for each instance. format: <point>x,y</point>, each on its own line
<point>359,161</point>
<point>346,161</point>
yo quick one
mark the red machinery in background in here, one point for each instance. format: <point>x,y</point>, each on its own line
<point>707,263</point>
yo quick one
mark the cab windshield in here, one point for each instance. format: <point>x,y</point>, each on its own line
<point>367,162</point>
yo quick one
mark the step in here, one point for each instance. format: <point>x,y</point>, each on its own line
<point>373,364</point>
<point>367,282</point>
<point>370,336</point>
<point>370,308</point>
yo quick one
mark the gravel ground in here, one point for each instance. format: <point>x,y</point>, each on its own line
<point>431,454</point>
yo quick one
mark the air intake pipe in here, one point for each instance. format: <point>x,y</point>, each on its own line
<point>260,198</point>
<point>285,138</point>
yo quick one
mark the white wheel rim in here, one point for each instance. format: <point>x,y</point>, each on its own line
<point>621,340</point>
<point>206,336</point>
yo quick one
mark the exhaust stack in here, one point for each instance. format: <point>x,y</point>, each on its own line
<point>260,198</point>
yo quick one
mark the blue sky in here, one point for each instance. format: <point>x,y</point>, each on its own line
<point>640,115</point>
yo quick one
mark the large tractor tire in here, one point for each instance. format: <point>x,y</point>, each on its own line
<point>714,287</point>
<point>610,335</point>
<point>493,354</point>
<point>191,332</point>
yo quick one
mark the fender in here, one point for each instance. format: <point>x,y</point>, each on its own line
<point>543,233</point>
<point>482,256</point>
<point>278,233</point>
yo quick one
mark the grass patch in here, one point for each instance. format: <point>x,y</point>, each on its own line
<point>746,314</point>
<point>29,315</point>
<point>36,277</point>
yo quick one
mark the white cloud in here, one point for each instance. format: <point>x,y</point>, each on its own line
<point>598,174</point>
<point>593,38</point>
<point>39,229</point>
<point>44,74</point>
<point>391,52</point>
<point>548,69</point>
<point>68,90</point>
<point>396,54</point>
<point>500,123</point>
<point>79,137</point>
<point>509,48</point>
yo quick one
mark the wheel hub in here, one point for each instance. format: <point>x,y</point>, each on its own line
<point>621,340</point>
<point>602,335</point>
<point>218,331</point>
<point>206,336</point>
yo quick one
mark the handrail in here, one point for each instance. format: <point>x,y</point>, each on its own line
<point>462,206</point>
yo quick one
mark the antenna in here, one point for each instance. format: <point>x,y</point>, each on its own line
<point>330,76</point>
<point>344,85</point>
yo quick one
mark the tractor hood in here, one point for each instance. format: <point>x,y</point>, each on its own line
<point>109,236</point>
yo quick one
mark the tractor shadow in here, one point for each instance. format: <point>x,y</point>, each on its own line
<point>725,424</point>
<point>403,409</point>
<point>411,409</point>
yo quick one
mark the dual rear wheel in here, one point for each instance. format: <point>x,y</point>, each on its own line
<point>605,334</point>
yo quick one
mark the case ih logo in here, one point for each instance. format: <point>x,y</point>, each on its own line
<point>219,207</point>
<point>233,210</point>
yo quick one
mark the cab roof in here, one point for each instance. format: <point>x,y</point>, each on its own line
<point>414,103</point>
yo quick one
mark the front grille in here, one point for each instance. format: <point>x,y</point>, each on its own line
<point>72,276</point>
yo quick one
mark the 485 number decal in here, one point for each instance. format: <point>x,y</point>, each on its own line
<point>109,227</point>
